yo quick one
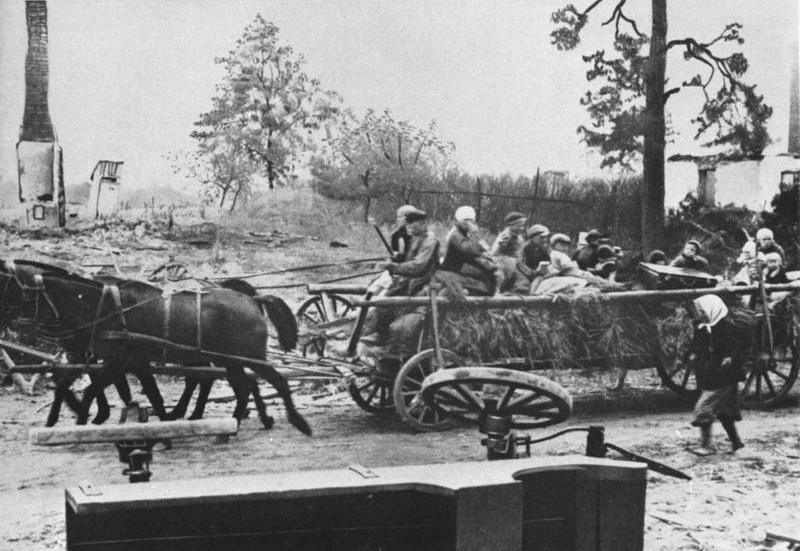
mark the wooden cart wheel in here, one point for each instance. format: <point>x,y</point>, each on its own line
<point>407,395</point>
<point>318,310</point>
<point>469,392</point>
<point>372,389</point>
<point>770,376</point>
<point>678,376</point>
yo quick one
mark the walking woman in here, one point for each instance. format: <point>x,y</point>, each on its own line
<point>717,357</point>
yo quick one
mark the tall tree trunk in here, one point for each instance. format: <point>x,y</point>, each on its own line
<point>654,132</point>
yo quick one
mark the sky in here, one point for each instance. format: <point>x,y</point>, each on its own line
<point>129,77</point>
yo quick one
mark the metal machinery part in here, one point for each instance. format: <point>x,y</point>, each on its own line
<point>499,400</point>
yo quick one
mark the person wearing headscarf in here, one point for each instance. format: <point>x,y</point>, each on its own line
<point>465,260</point>
<point>766,244</point>
<point>690,258</point>
<point>716,354</point>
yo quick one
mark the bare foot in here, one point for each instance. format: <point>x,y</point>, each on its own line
<point>703,451</point>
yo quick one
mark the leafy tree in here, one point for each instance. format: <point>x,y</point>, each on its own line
<point>627,107</point>
<point>265,114</point>
<point>379,155</point>
<point>223,172</point>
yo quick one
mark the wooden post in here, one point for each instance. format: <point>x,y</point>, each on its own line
<point>534,196</point>
<point>478,192</point>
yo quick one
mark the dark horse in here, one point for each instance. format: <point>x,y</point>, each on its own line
<point>281,317</point>
<point>21,303</point>
<point>227,325</point>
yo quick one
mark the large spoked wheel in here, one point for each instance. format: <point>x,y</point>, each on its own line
<point>678,376</point>
<point>770,374</point>
<point>318,310</point>
<point>321,309</point>
<point>371,388</point>
<point>470,393</point>
<point>407,393</point>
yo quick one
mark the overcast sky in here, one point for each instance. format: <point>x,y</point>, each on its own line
<point>129,77</point>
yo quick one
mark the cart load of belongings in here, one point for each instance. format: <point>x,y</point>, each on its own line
<point>587,327</point>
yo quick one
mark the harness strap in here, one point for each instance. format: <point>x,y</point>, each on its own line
<point>108,290</point>
<point>167,320</point>
<point>39,281</point>
<point>199,306</point>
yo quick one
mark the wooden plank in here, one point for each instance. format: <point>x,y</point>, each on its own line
<point>90,434</point>
<point>543,300</point>
<point>339,289</point>
<point>27,350</point>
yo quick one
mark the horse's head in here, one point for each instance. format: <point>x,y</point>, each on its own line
<point>69,301</point>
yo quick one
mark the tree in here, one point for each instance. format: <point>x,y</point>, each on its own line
<point>379,155</point>
<point>265,114</point>
<point>628,107</point>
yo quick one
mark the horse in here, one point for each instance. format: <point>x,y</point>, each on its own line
<point>218,323</point>
<point>18,282</point>
<point>281,317</point>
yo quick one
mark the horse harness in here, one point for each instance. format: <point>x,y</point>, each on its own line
<point>198,294</point>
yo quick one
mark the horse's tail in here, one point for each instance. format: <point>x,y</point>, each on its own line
<point>282,318</point>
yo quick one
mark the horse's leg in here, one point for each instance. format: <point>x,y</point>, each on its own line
<point>95,388</point>
<point>190,383</point>
<point>150,389</point>
<point>282,387</point>
<point>103,410</point>
<point>239,384</point>
<point>123,388</point>
<point>62,394</point>
<point>266,420</point>
<point>202,398</point>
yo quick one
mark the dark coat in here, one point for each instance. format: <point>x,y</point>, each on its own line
<point>533,254</point>
<point>422,260</point>
<point>711,348</point>
<point>586,257</point>
<point>400,241</point>
<point>698,263</point>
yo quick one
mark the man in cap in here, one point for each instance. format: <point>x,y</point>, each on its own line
<point>400,240</point>
<point>586,256</point>
<point>409,277</point>
<point>766,244</point>
<point>690,258</point>
<point>507,249</point>
<point>465,260</point>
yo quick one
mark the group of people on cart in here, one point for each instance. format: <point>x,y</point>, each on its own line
<point>524,257</point>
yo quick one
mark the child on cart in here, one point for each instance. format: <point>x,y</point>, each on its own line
<point>717,357</point>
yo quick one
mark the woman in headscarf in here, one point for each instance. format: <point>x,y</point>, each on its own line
<point>465,260</point>
<point>717,357</point>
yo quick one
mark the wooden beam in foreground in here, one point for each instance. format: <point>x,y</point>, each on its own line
<point>91,434</point>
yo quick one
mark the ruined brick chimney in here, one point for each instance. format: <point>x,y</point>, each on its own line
<point>36,123</point>
<point>793,144</point>
<point>40,165</point>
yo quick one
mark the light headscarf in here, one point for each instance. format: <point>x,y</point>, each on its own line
<point>712,307</point>
<point>464,213</point>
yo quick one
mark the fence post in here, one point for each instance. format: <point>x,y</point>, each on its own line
<point>534,196</point>
<point>479,200</point>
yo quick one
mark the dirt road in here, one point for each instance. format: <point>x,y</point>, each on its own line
<point>730,503</point>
